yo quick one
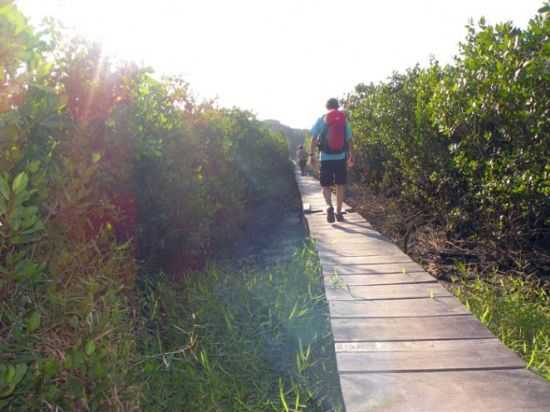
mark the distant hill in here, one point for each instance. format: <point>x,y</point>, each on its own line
<point>295,137</point>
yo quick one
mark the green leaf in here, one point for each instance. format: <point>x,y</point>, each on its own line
<point>44,69</point>
<point>68,361</point>
<point>6,391</point>
<point>34,166</point>
<point>20,182</point>
<point>4,5</point>
<point>90,347</point>
<point>35,227</point>
<point>20,371</point>
<point>282,396</point>
<point>10,374</point>
<point>96,157</point>
<point>13,15</point>
<point>486,314</point>
<point>50,367</point>
<point>79,360</point>
<point>33,322</point>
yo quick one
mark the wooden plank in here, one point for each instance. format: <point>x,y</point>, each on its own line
<point>321,226</point>
<point>356,248</point>
<point>317,222</point>
<point>424,355</point>
<point>340,226</point>
<point>344,237</point>
<point>314,196</point>
<point>347,238</point>
<point>362,243</point>
<point>348,216</point>
<point>404,291</point>
<point>403,268</point>
<point>462,391</point>
<point>397,308</point>
<point>346,210</point>
<point>323,251</point>
<point>371,280</point>
<point>369,240</point>
<point>423,328</point>
<point>320,219</point>
<point>317,204</point>
<point>341,232</point>
<point>362,260</point>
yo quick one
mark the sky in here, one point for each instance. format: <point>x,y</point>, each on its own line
<point>281,59</point>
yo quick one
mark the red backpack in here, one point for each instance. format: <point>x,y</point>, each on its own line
<point>333,137</point>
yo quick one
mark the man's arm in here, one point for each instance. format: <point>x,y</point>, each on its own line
<point>315,132</point>
<point>349,141</point>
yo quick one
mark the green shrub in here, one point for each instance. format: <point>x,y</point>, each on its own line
<point>467,143</point>
<point>102,167</point>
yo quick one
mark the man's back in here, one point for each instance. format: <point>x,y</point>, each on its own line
<point>321,126</point>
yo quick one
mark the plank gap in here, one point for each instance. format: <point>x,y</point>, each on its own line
<point>494,368</point>
<point>414,340</point>
<point>377,299</point>
<point>384,284</point>
<point>451,315</point>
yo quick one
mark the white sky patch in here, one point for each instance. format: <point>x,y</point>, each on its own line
<point>280,59</point>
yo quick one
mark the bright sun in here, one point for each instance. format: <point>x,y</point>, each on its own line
<point>275,57</point>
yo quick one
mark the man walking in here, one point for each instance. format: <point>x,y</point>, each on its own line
<point>332,134</point>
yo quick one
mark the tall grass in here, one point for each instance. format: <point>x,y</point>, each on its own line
<point>252,339</point>
<point>515,309</point>
<point>70,333</point>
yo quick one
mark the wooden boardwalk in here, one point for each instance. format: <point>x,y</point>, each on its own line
<point>403,342</point>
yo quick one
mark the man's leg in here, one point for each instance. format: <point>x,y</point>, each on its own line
<point>327,193</point>
<point>339,197</point>
<point>340,180</point>
<point>327,180</point>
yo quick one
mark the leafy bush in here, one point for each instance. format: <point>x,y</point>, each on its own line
<point>102,167</point>
<point>468,143</point>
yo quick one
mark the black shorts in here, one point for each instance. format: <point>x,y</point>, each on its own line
<point>333,172</point>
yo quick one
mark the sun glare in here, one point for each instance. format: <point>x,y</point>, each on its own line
<point>277,57</point>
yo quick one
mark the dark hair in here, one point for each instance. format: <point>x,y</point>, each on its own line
<point>332,103</point>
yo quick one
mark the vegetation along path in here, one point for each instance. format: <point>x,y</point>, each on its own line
<point>402,341</point>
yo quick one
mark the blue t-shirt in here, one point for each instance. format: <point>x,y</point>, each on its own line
<point>316,130</point>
